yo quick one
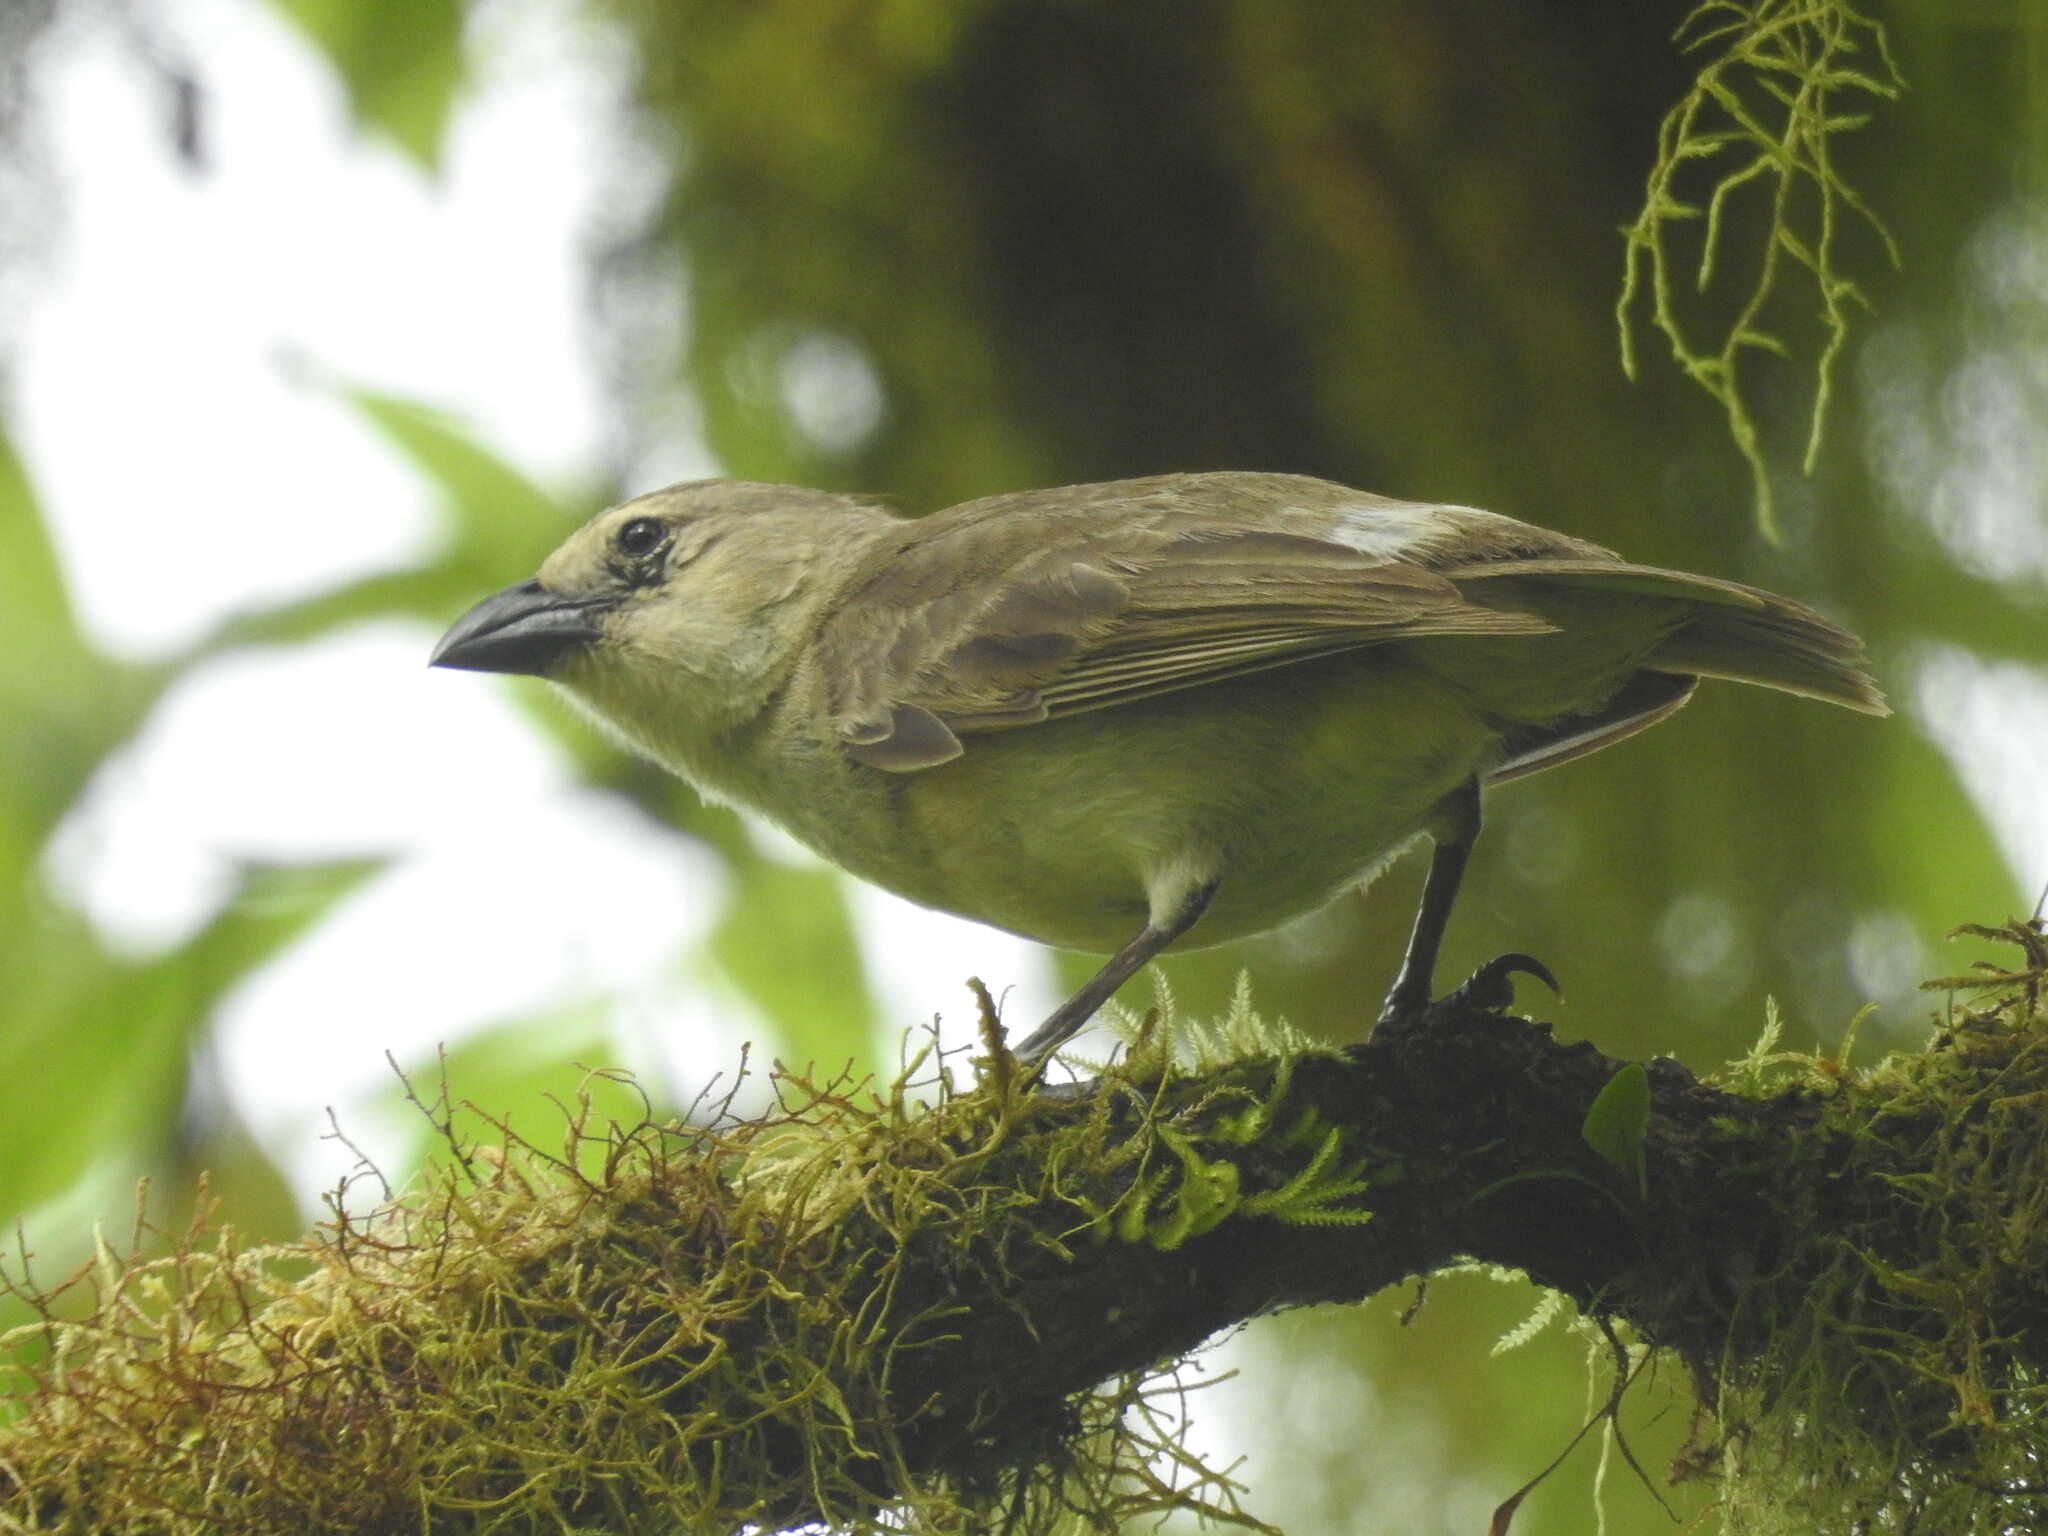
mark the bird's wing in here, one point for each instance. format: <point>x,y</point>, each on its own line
<point>1615,575</point>
<point>1017,609</point>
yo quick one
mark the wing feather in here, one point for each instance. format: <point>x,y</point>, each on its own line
<point>1004,612</point>
<point>1620,576</point>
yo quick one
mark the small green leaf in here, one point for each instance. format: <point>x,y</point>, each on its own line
<point>401,61</point>
<point>63,706</point>
<point>494,503</point>
<point>1619,1120</point>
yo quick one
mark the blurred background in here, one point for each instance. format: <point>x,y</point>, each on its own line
<point>320,319</point>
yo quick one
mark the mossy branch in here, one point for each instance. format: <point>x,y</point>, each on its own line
<point>871,1312</point>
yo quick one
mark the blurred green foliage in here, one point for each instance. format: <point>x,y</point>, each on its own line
<point>96,1047</point>
<point>94,1053</point>
<point>1067,240</point>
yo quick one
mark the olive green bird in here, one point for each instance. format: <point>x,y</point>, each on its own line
<point>1121,717</point>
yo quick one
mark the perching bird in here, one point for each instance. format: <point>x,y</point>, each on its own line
<point>1119,717</point>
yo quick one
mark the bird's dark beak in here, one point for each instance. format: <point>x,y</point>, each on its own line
<point>524,629</point>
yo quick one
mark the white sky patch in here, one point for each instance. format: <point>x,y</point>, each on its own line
<point>186,477</point>
<point>488,925</point>
<point>1960,447</point>
<point>1294,1409</point>
<point>512,890</point>
<point>1957,443</point>
<point>1991,718</point>
<point>344,748</point>
<point>831,391</point>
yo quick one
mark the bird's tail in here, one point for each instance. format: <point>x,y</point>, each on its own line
<point>1729,630</point>
<point>1779,644</point>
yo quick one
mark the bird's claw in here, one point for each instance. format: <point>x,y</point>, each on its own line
<point>1490,989</point>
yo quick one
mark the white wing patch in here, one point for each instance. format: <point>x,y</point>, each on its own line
<point>1442,536</point>
<point>1422,532</point>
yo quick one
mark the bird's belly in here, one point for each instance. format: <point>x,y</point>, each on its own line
<point>1293,786</point>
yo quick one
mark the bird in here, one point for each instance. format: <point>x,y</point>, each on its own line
<point>1172,711</point>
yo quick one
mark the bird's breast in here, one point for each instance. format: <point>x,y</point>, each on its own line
<point>1294,784</point>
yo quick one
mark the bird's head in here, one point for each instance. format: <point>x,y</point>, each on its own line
<point>675,615</point>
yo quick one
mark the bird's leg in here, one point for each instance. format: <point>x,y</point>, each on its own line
<point>1490,987</point>
<point>1452,837</point>
<point>1067,1019</point>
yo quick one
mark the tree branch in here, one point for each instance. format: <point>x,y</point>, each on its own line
<point>857,1307</point>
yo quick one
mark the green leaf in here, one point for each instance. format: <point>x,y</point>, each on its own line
<point>64,705</point>
<point>35,611</point>
<point>401,61</point>
<point>95,1055</point>
<point>431,592</point>
<point>786,941</point>
<point>493,502</point>
<point>1619,1120</point>
<point>273,906</point>
<point>502,524</point>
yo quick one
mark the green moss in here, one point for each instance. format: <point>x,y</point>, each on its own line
<point>705,1326</point>
<point>1192,1181</point>
<point>689,1327</point>
<point>1891,1372</point>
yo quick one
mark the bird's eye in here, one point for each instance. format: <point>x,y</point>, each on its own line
<point>640,537</point>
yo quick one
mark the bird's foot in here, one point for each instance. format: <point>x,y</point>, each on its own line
<point>1490,989</point>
